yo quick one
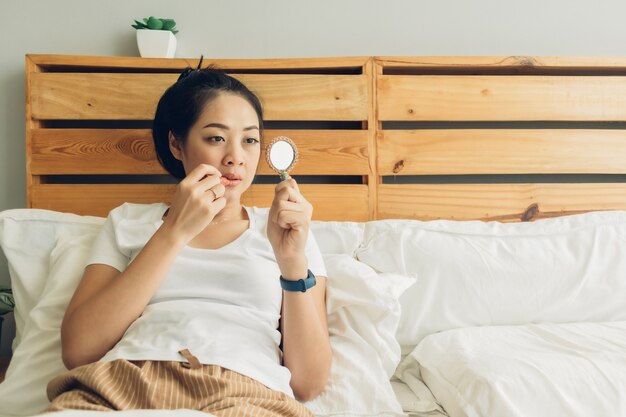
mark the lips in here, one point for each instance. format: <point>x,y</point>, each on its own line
<point>230,180</point>
<point>231,176</point>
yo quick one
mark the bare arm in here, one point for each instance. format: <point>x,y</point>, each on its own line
<point>107,302</point>
<point>306,342</point>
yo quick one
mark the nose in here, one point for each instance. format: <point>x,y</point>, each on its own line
<point>234,155</point>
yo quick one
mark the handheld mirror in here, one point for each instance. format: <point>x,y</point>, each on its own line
<point>282,155</point>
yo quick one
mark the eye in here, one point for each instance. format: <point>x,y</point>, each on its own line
<point>252,140</point>
<point>215,138</point>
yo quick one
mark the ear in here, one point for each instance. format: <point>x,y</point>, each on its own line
<point>175,147</point>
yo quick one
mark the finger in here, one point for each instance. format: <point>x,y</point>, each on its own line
<point>295,196</point>
<point>219,190</point>
<point>286,194</point>
<point>286,205</point>
<point>291,220</point>
<point>200,172</point>
<point>209,182</point>
<point>294,184</point>
<point>290,183</point>
<point>290,194</point>
<point>281,195</point>
<point>217,203</point>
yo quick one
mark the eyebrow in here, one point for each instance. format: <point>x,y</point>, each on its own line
<point>221,126</point>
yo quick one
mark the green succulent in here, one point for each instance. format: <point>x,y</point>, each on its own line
<point>155,23</point>
<point>6,300</point>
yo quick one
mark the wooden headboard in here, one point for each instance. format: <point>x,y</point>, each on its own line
<point>490,138</point>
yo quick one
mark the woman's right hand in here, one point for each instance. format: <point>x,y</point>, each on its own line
<point>197,200</point>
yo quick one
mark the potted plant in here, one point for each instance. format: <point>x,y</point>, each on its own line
<point>6,304</point>
<point>155,37</point>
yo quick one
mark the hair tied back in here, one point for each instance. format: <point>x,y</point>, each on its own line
<point>189,70</point>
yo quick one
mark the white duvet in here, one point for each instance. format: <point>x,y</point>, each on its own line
<point>574,369</point>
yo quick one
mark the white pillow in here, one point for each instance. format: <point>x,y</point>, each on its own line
<point>363,315</point>
<point>538,370</point>
<point>27,236</point>
<point>37,359</point>
<point>472,273</point>
<point>338,237</point>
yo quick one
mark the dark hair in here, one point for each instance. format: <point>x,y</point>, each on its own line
<point>181,104</point>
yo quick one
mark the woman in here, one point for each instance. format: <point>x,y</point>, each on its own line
<point>181,306</point>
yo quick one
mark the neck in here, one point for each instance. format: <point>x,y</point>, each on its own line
<point>232,211</point>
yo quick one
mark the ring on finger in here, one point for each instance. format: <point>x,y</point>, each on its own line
<point>214,194</point>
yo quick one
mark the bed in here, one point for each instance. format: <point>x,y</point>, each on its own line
<point>477,201</point>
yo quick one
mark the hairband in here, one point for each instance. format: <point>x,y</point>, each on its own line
<point>189,70</point>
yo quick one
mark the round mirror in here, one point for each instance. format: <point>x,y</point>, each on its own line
<point>282,155</point>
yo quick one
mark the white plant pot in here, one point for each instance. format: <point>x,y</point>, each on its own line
<point>156,43</point>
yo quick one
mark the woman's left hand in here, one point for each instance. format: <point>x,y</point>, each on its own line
<point>288,226</point>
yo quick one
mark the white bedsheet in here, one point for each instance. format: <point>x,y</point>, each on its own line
<point>575,369</point>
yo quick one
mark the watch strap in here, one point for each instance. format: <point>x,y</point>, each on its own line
<point>300,285</point>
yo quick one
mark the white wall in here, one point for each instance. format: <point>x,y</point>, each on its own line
<point>287,28</point>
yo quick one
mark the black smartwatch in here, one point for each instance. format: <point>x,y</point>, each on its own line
<point>299,285</point>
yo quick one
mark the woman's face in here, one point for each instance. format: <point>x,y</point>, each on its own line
<point>227,137</point>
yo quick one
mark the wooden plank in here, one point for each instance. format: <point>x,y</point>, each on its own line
<point>340,202</point>
<point>478,62</point>
<point>501,98</point>
<point>496,202</point>
<point>372,71</point>
<point>97,199</point>
<point>501,151</point>
<point>554,62</point>
<point>31,124</point>
<point>98,63</point>
<point>121,96</point>
<point>490,62</point>
<point>131,151</point>
<point>94,151</point>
